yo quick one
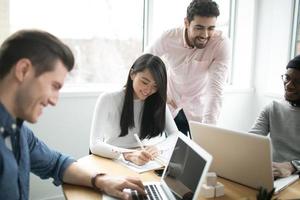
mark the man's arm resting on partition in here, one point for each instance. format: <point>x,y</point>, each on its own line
<point>77,175</point>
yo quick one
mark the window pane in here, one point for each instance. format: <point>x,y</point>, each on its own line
<point>160,21</point>
<point>297,45</point>
<point>103,35</point>
<point>224,18</point>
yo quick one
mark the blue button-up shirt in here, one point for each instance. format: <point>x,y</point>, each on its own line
<point>25,154</point>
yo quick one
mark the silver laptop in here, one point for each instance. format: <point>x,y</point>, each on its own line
<point>183,175</point>
<point>245,158</point>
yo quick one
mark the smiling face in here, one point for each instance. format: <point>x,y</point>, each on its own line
<point>143,84</point>
<point>199,30</point>
<point>292,85</point>
<point>37,92</point>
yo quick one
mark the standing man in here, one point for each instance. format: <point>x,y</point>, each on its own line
<point>33,67</point>
<point>281,121</point>
<point>198,58</point>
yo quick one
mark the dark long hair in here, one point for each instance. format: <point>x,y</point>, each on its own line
<point>154,110</point>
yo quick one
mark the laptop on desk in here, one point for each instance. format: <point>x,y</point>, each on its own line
<point>245,158</point>
<point>183,175</point>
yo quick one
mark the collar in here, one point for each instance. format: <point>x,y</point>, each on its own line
<point>185,44</point>
<point>7,122</point>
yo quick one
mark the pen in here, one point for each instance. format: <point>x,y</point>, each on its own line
<point>143,148</point>
<point>139,141</point>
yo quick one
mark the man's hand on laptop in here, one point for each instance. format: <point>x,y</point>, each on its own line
<point>115,186</point>
<point>283,169</point>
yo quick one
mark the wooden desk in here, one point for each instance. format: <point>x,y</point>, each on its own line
<point>232,190</point>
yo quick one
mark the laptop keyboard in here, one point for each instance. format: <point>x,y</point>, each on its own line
<point>152,194</point>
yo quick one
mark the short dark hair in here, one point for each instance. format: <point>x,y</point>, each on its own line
<point>203,8</point>
<point>41,48</point>
<point>294,63</point>
<point>154,110</point>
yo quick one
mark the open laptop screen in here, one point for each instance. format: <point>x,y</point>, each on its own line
<point>184,171</point>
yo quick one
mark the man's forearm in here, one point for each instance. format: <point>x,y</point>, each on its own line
<point>77,175</point>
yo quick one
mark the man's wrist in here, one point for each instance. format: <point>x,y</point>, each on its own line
<point>93,181</point>
<point>296,165</point>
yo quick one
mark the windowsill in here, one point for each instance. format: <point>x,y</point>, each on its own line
<point>273,95</point>
<point>86,90</point>
<point>93,90</point>
<point>231,89</point>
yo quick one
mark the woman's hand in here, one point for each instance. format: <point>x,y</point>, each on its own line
<point>142,156</point>
<point>153,151</point>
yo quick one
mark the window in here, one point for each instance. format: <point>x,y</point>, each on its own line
<point>243,39</point>
<point>106,36</point>
<point>296,33</point>
<point>160,21</point>
<point>273,57</point>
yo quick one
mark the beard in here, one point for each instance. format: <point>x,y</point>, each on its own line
<point>295,103</point>
<point>200,45</point>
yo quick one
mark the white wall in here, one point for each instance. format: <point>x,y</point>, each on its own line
<point>66,127</point>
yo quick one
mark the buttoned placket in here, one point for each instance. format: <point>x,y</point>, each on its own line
<point>6,137</point>
<point>15,141</point>
<point>10,137</point>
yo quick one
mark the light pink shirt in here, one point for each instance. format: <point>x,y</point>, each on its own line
<point>196,77</point>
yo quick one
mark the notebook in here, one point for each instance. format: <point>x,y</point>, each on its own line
<point>183,175</point>
<point>245,158</point>
<point>158,163</point>
<point>151,165</point>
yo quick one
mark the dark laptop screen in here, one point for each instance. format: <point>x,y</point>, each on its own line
<point>184,171</point>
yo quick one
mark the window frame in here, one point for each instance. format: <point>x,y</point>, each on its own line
<point>295,29</point>
<point>70,87</point>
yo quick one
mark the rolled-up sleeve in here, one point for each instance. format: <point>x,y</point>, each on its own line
<point>45,162</point>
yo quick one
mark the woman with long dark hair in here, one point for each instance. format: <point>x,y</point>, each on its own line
<point>139,108</point>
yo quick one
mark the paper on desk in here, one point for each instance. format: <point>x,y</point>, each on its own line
<point>151,165</point>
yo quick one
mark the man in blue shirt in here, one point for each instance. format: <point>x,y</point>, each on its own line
<point>33,67</point>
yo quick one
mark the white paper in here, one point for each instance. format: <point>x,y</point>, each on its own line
<point>151,165</point>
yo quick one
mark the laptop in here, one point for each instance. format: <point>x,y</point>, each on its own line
<point>242,157</point>
<point>183,175</point>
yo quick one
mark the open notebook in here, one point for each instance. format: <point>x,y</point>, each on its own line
<point>158,163</point>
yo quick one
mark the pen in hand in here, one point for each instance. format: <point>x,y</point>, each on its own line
<point>143,148</point>
<point>139,141</point>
